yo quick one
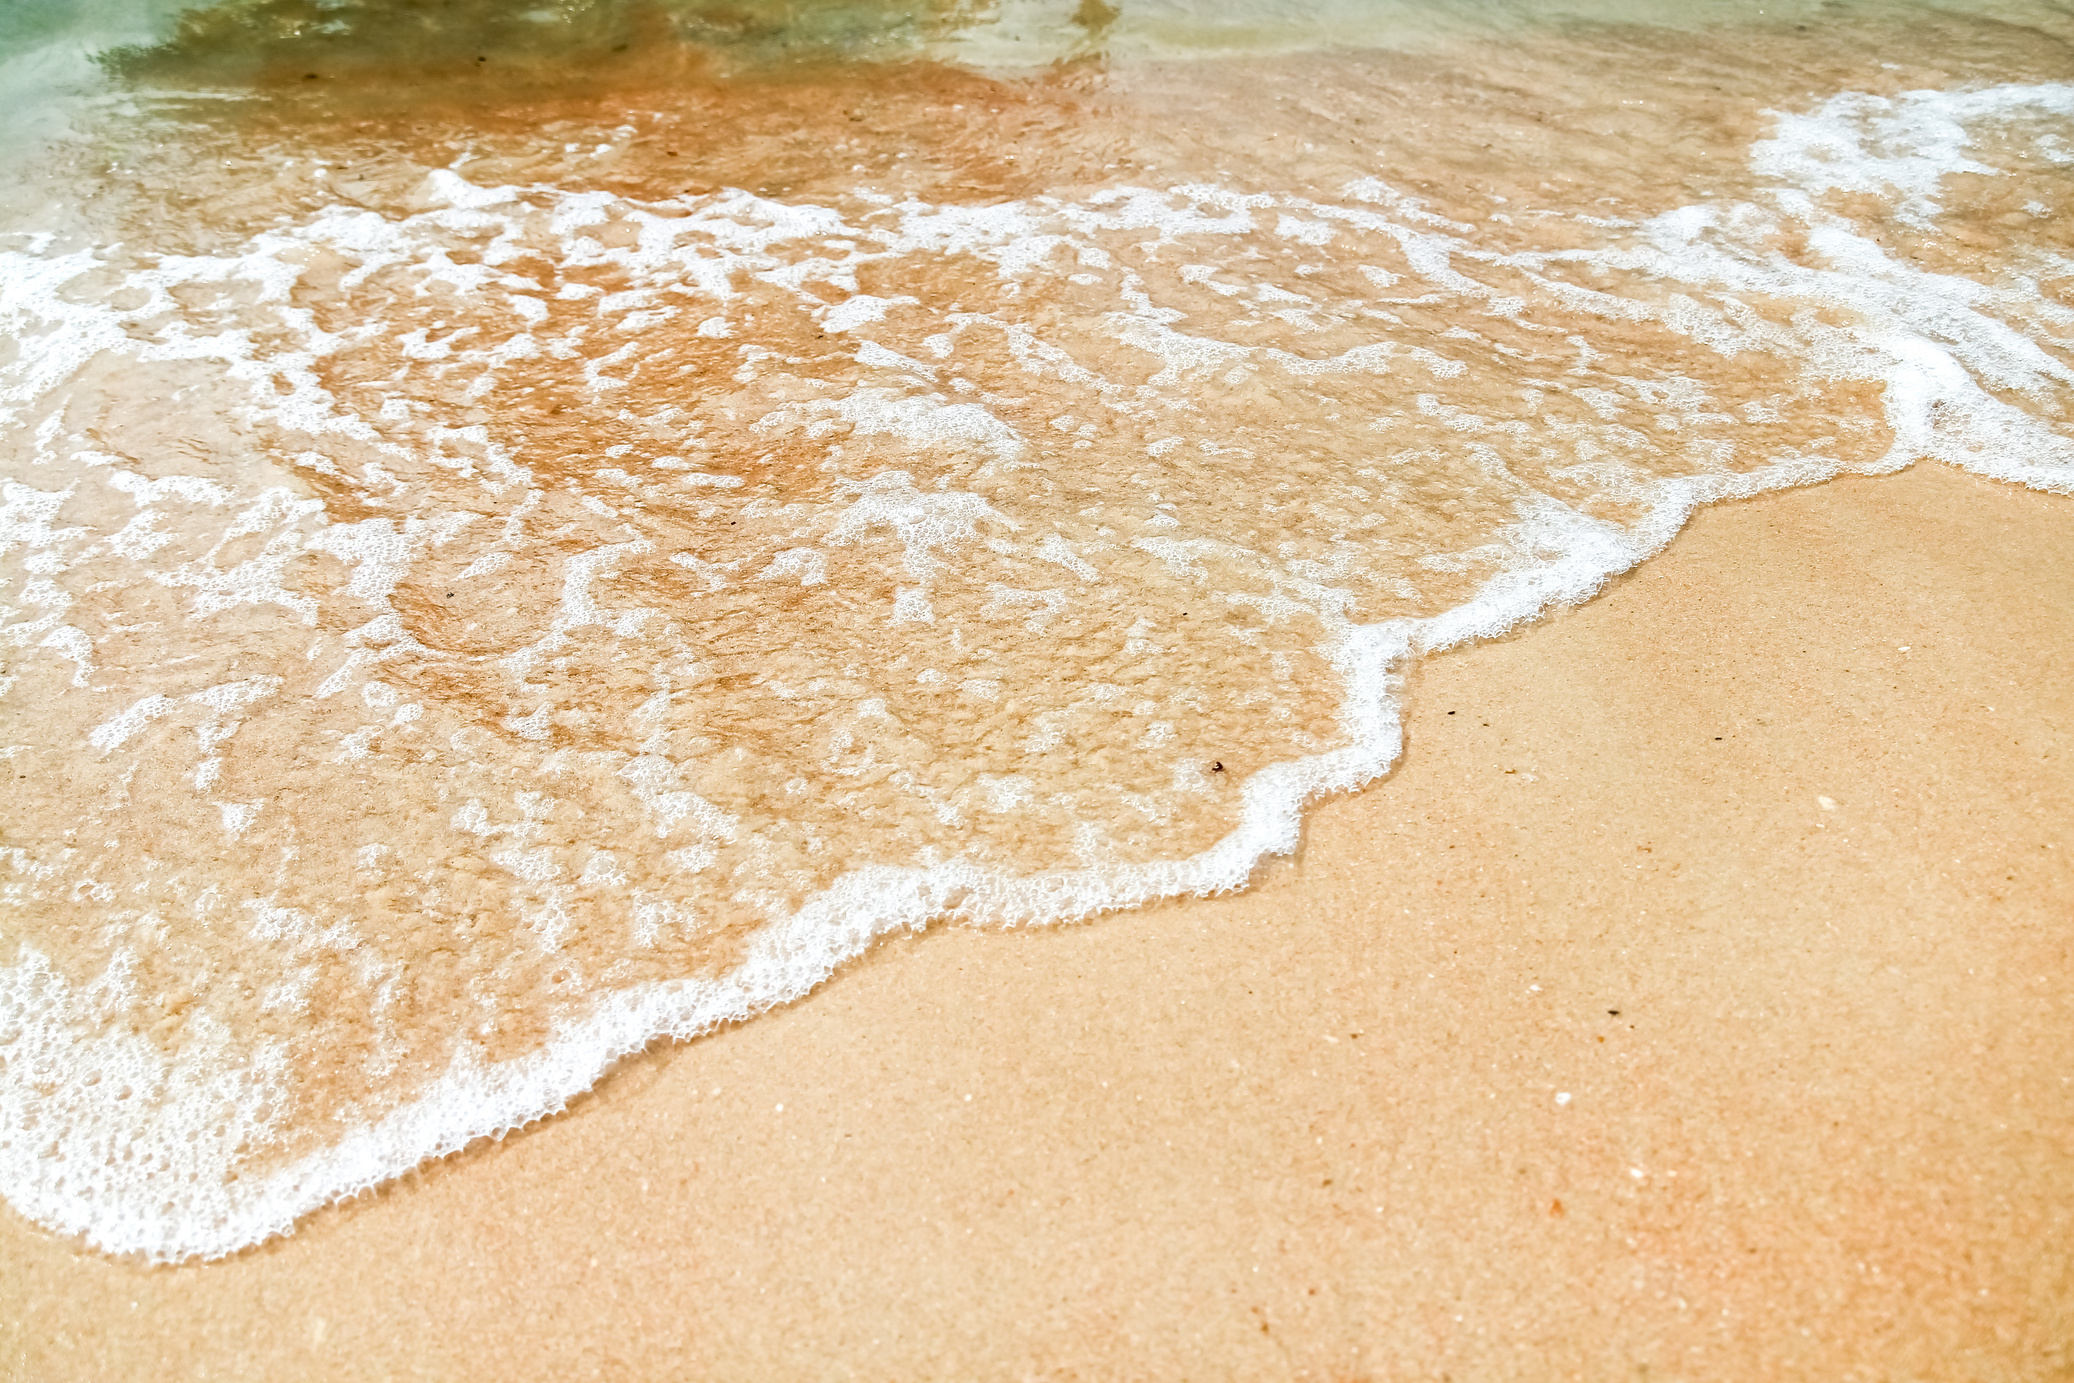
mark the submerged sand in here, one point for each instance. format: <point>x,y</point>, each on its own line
<point>1818,1058</point>
<point>536,620</point>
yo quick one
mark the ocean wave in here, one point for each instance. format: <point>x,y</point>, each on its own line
<point>463,633</point>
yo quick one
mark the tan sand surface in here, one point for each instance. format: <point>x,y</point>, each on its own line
<point>1819,1059</point>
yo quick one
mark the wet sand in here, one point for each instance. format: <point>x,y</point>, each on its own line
<point>1819,1061</point>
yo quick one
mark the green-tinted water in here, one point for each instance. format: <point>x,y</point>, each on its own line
<point>230,40</point>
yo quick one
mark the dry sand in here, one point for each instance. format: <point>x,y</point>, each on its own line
<point>1820,1061</point>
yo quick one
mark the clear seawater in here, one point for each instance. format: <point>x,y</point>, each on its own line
<point>527,530</point>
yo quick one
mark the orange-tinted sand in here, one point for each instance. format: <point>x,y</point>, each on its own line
<point>1820,1060</point>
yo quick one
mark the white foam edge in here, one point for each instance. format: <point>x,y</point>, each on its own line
<point>1569,557</point>
<point>1576,557</point>
<point>787,960</point>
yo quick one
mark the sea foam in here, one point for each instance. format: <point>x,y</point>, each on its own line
<point>459,641</point>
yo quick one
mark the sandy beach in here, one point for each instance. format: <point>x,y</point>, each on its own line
<point>1693,1001</point>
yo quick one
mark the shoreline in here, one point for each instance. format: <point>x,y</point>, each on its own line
<point>1330,1121</point>
<point>436,906</point>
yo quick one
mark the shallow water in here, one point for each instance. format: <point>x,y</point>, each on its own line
<point>536,534</point>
